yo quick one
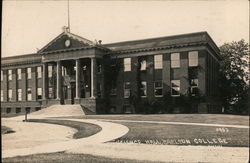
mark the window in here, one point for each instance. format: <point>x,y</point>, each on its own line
<point>50,71</point>
<point>1,95</point>
<point>19,74</point>
<point>19,94</point>
<point>9,74</point>
<point>10,95</point>
<point>175,87</point>
<point>29,94</point>
<point>38,108</point>
<point>50,93</point>
<point>39,72</point>
<point>194,87</point>
<point>158,88</point>
<point>99,89</point>
<point>29,73</point>
<point>143,65</point>
<point>143,89</point>
<point>8,110</point>
<point>39,93</point>
<point>18,110</point>
<point>175,60</point>
<point>158,61</point>
<point>99,68</point>
<point>1,75</point>
<point>126,89</point>
<point>193,58</point>
<point>127,64</point>
<point>113,89</point>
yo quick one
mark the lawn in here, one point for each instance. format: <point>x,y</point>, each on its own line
<point>6,130</point>
<point>83,129</point>
<point>62,157</point>
<point>192,118</point>
<point>184,135</point>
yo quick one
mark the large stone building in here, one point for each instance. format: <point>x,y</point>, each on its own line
<point>108,78</point>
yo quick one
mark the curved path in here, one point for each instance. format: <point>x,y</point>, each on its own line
<point>110,131</point>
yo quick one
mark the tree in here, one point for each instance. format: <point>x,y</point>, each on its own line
<point>235,76</point>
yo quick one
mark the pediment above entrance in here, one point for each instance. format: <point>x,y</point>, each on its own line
<point>66,40</point>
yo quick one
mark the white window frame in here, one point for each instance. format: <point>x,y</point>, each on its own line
<point>144,89</point>
<point>179,83</point>
<point>143,65</point>
<point>127,64</point>
<point>193,58</point>
<point>1,95</point>
<point>10,95</point>
<point>156,88</point>
<point>19,94</point>
<point>50,71</point>
<point>29,95</point>
<point>127,89</point>
<point>39,92</point>
<point>158,61</point>
<point>39,72</point>
<point>19,74</point>
<point>175,60</point>
<point>194,86</point>
<point>9,75</point>
<point>29,73</point>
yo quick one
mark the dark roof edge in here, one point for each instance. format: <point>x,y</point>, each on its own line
<point>156,38</point>
<point>22,55</point>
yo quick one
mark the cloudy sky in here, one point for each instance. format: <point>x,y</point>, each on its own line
<point>29,25</point>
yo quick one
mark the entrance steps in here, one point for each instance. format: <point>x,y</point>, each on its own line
<point>61,111</point>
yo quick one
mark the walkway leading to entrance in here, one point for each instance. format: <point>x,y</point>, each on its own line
<point>104,135</point>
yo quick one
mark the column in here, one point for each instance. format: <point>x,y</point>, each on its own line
<point>45,79</point>
<point>78,79</point>
<point>58,79</point>
<point>93,77</point>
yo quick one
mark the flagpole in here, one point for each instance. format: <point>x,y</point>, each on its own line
<point>68,17</point>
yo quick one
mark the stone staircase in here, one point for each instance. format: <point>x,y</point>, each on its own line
<point>62,110</point>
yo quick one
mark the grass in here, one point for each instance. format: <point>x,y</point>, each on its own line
<point>176,134</point>
<point>62,157</point>
<point>193,118</point>
<point>83,129</point>
<point>6,130</point>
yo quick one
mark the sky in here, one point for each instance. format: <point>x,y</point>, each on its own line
<point>28,25</point>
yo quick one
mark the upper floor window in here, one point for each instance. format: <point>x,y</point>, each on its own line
<point>1,75</point>
<point>19,94</point>
<point>126,89</point>
<point>194,87</point>
<point>99,67</point>
<point>143,89</point>
<point>10,95</point>
<point>175,60</point>
<point>175,87</point>
<point>113,89</point>
<point>9,74</point>
<point>143,65</point>
<point>127,64</point>
<point>158,88</point>
<point>28,73</point>
<point>39,72</point>
<point>19,74</point>
<point>158,61</point>
<point>193,58</point>
<point>29,94</point>
<point>50,71</point>
<point>51,93</point>
<point>1,95</point>
<point>39,93</point>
